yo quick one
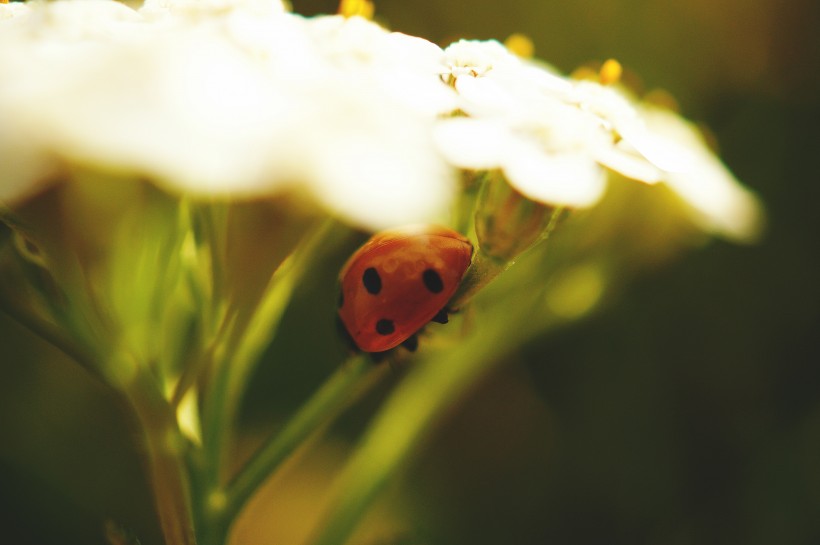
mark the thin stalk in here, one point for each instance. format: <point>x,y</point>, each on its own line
<point>486,268</point>
<point>49,333</point>
<point>407,416</point>
<point>245,348</point>
<point>464,208</point>
<point>198,364</point>
<point>482,271</point>
<point>323,406</point>
<point>208,219</point>
<point>164,456</point>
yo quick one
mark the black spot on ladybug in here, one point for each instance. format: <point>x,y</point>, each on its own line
<point>432,281</point>
<point>372,281</point>
<point>341,298</point>
<point>385,327</point>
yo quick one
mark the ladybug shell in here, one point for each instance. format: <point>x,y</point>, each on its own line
<point>398,281</point>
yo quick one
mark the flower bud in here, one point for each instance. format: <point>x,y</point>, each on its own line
<point>507,223</point>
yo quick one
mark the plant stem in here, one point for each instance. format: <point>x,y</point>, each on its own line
<point>245,347</point>
<point>483,270</point>
<point>391,438</point>
<point>406,417</point>
<point>486,267</point>
<point>51,335</point>
<point>323,406</point>
<point>164,456</point>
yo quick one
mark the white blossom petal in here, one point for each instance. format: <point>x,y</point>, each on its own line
<point>570,179</point>
<point>23,165</point>
<point>659,150</point>
<point>478,57</point>
<point>719,202</point>
<point>404,66</point>
<point>199,93</point>
<point>10,11</point>
<point>484,97</point>
<point>208,8</point>
<point>376,177</point>
<point>472,144</point>
<point>628,164</point>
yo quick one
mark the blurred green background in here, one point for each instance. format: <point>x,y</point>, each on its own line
<point>685,412</point>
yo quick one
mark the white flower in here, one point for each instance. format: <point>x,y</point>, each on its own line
<point>478,57</point>
<point>209,8</point>
<point>186,108</point>
<point>555,139</point>
<point>617,114</point>
<point>374,160</point>
<point>547,166</point>
<point>10,11</point>
<point>718,201</point>
<point>491,80</point>
<point>405,67</point>
<point>225,97</point>
<point>521,120</point>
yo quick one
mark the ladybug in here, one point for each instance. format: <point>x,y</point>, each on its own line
<point>399,281</point>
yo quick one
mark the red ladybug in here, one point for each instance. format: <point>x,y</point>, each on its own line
<point>399,281</point>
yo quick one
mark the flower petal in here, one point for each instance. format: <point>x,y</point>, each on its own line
<point>662,152</point>
<point>573,180</point>
<point>719,202</point>
<point>484,96</point>
<point>628,164</point>
<point>363,169</point>
<point>471,143</point>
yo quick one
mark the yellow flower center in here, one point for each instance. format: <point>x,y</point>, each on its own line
<point>351,8</point>
<point>610,72</point>
<point>521,45</point>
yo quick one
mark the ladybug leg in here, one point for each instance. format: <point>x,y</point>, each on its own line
<point>441,317</point>
<point>379,357</point>
<point>343,333</point>
<point>411,343</point>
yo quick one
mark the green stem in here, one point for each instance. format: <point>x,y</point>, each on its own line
<point>196,365</point>
<point>244,348</point>
<point>209,222</point>
<point>486,268</point>
<point>164,455</point>
<point>49,333</point>
<point>322,407</point>
<point>464,209</point>
<point>406,417</point>
<point>483,270</point>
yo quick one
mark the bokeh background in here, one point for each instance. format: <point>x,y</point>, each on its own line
<point>685,411</point>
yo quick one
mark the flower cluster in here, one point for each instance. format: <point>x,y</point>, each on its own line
<point>226,97</point>
<point>242,98</point>
<point>557,139</point>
